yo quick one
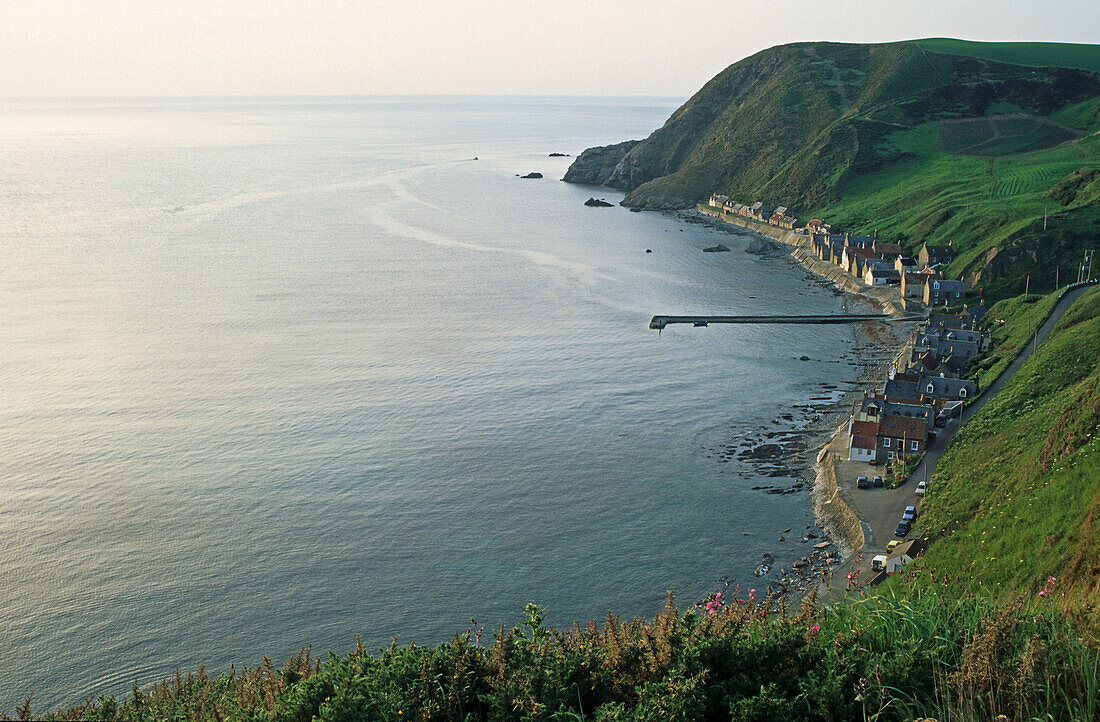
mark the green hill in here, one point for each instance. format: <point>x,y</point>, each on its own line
<point>1053,55</point>
<point>908,138</point>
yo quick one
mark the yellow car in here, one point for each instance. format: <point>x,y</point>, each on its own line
<point>892,546</point>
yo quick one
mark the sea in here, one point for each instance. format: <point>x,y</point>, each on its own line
<point>281,372</point>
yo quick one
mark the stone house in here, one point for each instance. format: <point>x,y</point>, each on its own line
<point>862,440</point>
<point>939,292</point>
<point>932,255</point>
<point>900,436</point>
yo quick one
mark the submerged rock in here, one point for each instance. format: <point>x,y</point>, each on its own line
<point>559,155</point>
<point>716,249</point>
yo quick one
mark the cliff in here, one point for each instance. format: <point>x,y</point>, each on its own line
<point>938,140</point>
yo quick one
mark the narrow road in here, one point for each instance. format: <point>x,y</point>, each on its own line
<point>880,509</point>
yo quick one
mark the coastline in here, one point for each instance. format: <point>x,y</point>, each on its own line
<point>876,346</point>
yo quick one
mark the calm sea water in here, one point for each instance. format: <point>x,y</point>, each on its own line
<point>278,372</point>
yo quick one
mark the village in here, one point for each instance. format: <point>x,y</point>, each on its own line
<point>889,430</point>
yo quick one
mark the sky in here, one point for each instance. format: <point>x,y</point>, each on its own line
<point>519,47</point>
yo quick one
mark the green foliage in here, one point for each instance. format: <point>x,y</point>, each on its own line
<point>1011,323</point>
<point>896,656</point>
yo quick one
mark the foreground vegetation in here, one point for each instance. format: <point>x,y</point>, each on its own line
<point>891,657</point>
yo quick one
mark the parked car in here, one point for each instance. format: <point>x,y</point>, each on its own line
<point>941,421</point>
<point>878,562</point>
<point>902,529</point>
<point>892,545</point>
<point>922,486</point>
<point>877,482</point>
<point>862,483</point>
<point>910,513</point>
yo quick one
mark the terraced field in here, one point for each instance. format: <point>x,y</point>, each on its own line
<point>1001,135</point>
<point>1029,172</point>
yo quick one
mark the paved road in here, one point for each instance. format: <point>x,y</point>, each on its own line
<point>880,509</point>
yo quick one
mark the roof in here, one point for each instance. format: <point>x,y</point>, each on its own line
<point>781,210</point>
<point>896,389</point>
<point>902,427</point>
<point>863,442</point>
<point>887,248</point>
<point>942,386</point>
<point>948,286</point>
<point>975,313</point>
<point>864,428</point>
<point>915,279</point>
<point>910,548</point>
<point>940,250</point>
<point>962,349</point>
<point>917,411</point>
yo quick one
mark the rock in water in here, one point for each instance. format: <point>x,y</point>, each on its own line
<point>559,155</point>
<point>716,249</point>
<point>597,203</point>
<point>532,175</point>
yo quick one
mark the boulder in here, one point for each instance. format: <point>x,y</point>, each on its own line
<point>597,203</point>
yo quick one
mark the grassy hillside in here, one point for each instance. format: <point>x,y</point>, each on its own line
<point>1015,499</point>
<point>937,140</point>
<point>1062,55</point>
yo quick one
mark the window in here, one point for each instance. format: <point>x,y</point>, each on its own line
<point>962,393</point>
<point>931,388</point>
<point>913,445</point>
<point>886,443</point>
<point>890,455</point>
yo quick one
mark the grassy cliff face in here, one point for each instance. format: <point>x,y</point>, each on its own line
<point>1016,497</point>
<point>938,140</point>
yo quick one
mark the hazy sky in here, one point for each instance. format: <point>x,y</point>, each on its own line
<point>607,47</point>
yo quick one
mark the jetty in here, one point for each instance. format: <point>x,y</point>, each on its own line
<point>659,322</point>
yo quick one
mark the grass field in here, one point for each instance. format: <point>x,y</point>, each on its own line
<point>1061,55</point>
<point>1000,135</point>
<point>974,202</point>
